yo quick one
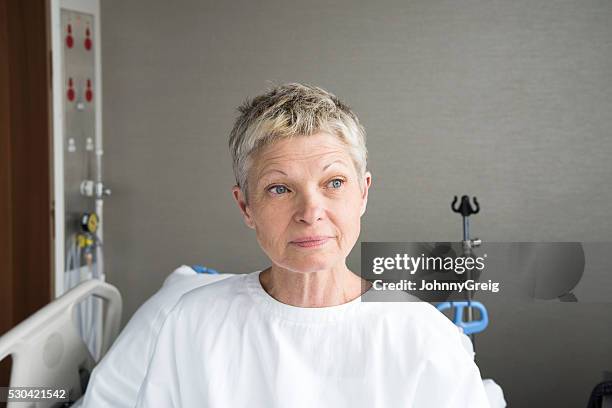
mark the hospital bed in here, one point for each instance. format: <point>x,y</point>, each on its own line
<point>48,351</point>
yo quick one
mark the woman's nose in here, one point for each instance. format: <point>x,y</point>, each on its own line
<point>310,208</point>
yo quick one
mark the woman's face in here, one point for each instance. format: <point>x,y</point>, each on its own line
<point>304,187</point>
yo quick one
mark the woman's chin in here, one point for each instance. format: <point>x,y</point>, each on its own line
<point>311,263</point>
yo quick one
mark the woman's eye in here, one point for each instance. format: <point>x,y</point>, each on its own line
<point>278,189</point>
<point>336,183</point>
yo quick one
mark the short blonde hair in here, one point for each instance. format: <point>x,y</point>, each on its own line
<point>290,110</point>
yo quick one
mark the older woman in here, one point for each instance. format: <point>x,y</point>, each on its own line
<point>296,334</point>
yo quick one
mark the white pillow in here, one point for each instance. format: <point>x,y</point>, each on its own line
<point>116,380</point>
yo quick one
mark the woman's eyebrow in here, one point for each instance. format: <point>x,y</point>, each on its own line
<point>335,161</point>
<point>272,171</point>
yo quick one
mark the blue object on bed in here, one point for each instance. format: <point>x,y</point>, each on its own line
<point>203,269</point>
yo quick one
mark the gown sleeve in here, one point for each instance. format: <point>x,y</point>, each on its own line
<point>450,378</point>
<point>161,384</point>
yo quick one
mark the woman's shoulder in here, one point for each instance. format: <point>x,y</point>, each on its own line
<point>213,298</point>
<point>216,291</point>
<point>415,316</point>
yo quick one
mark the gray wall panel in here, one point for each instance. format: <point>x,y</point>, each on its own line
<point>509,101</point>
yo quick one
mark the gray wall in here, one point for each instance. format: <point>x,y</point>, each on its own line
<point>509,101</point>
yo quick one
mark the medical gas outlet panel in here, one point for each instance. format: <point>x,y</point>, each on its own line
<point>79,190</point>
<point>79,114</point>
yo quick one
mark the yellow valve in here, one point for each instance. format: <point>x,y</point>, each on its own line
<point>89,222</point>
<point>84,241</point>
<point>92,224</point>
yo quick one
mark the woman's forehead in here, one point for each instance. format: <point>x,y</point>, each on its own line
<point>318,160</point>
<point>311,148</point>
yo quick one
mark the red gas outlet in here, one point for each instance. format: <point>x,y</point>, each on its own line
<point>69,38</point>
<point>89,92</point>
<point>70,94</point>
<point>87,40</point>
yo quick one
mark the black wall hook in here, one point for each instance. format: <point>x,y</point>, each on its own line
<point>465,208</point>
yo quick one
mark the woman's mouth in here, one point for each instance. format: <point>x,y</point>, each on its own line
<point>313,243</point>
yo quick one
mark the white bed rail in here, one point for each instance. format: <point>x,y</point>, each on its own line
<point>46,348</point>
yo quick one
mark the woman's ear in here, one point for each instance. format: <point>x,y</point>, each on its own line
<point>367,182</point>
<point>243,206</point>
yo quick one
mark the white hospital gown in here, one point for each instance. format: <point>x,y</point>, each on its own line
<point>115,381</point>
<point>230,344</point>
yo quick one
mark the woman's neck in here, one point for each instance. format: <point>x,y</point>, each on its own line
<point>312,289</point>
